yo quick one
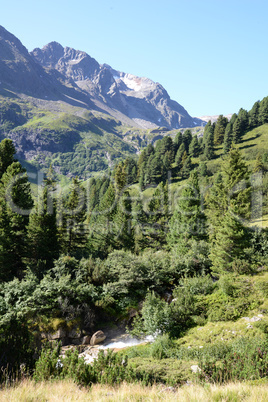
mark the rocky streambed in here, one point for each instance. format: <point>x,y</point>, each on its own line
<point>114,340</point>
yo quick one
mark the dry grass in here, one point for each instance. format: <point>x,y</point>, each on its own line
<point>29,391</point>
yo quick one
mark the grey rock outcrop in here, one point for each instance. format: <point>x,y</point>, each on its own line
<point>97,338</point>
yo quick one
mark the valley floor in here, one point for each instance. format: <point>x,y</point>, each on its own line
<point>59,391</point>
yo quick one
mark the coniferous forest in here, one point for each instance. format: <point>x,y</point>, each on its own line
<point>172,243</point>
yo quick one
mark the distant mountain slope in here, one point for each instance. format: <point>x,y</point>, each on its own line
<point>213,119</point>
<point>145,102</point>
<point>61,106</point>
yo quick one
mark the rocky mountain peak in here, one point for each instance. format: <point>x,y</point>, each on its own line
<point>66,73</point>
<point>73,63</point>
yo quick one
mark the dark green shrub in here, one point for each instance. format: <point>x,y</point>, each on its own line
<point>48,365</point>
<point>246,359</point>
<point>242,267</point>
<point>16,347</point>
<point>161,347</point>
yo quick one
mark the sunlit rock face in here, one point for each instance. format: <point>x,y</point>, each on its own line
<point>140,99</point>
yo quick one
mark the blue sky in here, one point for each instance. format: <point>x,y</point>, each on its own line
<point>211,55</point>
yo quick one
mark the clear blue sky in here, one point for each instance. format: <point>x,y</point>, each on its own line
<point>210,55</point>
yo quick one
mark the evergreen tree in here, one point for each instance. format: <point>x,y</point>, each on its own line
<point>188,221</point>
<point>158,210</point>
<point>93,198</point>
<point>258,166</point>
<point>254,115</point>
<point>237,131</point>
<point>233,118</point>
<point>154,169</point>
<point>101,227</point>
<point>228,204</point>
<point>139,225</point>
<point>186,167</point>
<point>16,203</point>
<point>187,138</point>
<point>209,127</point>
<point>142,176</point>
<point>178,159</point>
<point>209,146</point>
<point>263,111</point>
<point>203,169</point>
<point>194,149</point>
<point>244,119</point>
<point>123,238</point>
<point>228,138</point>
<point>177,141</point>
<point>164,145</point>
<point>7,152</point>
<point>130,167</point>
<point>230,242</point>
<point>240,125</point>
<point>43,234</point>
<point>220,129</point>
<point>167,164</point>
<point>71,219</point>
<point>120,176</point>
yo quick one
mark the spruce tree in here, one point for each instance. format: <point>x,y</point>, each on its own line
<point>177,141</point>
<point>220,129</point>
<point>71,219</point>
<point>123,233</point>
<point>100,225</point>
<point>187,138</point>
<point>263,111</point>
<point>259,165</point>
<point>237,131</point>
<point>16,202</point>
<point>243,116</point>
<point>228,138</point>
<point>139,226</point>
<point>188,221</point>
<point>7,152</point>
<point>120,176</point>
<point>186,167</point>
<point>209,127</point>
<point>158,210</point>
<point>43,234</point>
<point>229,244</point>
<point>194,148</point>
<point>178,159</point>
<point>254,115</point>
<point>209,152</point>
<point>228,205</point>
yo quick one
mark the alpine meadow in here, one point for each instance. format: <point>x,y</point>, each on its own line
<point>133,237</point>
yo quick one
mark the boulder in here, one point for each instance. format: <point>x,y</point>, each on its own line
<point>59,334</point>
<point>195,368</point>
<point>86,340</point>
<point>97,338</point>
<point>74,333</point>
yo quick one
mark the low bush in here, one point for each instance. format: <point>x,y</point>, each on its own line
<point>245,359</point>
<point>109,368</point>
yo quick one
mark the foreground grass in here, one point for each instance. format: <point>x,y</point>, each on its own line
<point>68,391</point>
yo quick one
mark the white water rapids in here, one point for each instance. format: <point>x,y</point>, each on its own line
<point>127,343</point>
<point>92,354</point>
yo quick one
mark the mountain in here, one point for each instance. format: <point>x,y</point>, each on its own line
<point>214,118</point>
<point>60,106</point>
<point>145,102</point>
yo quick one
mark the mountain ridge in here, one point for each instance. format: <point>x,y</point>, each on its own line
<point>142,100</point>
<point>110,113</point>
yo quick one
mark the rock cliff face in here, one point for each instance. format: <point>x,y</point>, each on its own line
<point>18,71</point>
<point>143,101</point>
<point>57,73</point>
<point>60,106</point>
